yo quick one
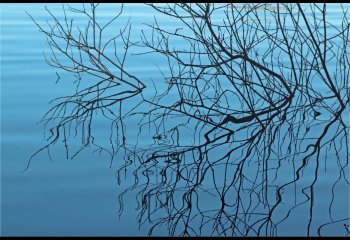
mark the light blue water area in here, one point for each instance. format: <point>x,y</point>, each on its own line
<point>58,197</point>
<point>76,197</point>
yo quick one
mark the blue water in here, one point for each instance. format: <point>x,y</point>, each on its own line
<point>63,197</point>
<point>58,197</point>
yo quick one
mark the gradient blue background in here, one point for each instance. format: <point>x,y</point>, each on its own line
<point>58,197</point>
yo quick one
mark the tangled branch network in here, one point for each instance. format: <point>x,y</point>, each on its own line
<point>255,107</point>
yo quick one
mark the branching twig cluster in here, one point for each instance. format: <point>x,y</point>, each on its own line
<point>251,89</point>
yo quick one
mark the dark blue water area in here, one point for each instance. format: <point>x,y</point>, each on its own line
<point>79,197</point>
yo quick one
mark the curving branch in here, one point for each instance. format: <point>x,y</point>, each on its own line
<point>256,107</point>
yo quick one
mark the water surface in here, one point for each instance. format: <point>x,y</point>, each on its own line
<point>64,197</point>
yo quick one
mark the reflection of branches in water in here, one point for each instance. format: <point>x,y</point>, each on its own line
<point>98,67</point>
<point>255,99</point>
<point>254,93</point>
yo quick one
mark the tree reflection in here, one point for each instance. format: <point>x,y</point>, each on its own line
<point>255,109</point>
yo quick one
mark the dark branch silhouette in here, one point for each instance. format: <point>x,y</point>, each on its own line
<point>257,101</point>
<point>97,66</point>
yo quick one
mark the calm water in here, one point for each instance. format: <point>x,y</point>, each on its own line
<point>80,196</point>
